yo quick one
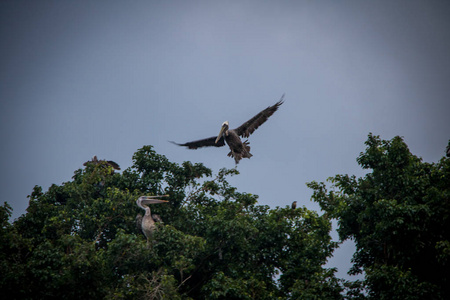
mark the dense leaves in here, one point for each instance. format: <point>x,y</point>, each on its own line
<point>79,240</point>
<point>399,217</point>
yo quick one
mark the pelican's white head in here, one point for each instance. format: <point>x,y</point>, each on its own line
<point>223,130</point>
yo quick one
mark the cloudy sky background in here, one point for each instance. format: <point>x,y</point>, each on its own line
<point>84,78</point>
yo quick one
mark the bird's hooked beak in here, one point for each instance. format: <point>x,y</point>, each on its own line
<point>222,130</point>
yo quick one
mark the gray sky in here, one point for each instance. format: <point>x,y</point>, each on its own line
<point>84,78</point>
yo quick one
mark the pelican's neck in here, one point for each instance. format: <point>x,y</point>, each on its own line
<point>147,211</point>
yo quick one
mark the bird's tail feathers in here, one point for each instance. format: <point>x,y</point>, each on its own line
<point>247,153</point>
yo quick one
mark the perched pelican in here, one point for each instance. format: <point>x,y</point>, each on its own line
<point>294,205</point>
<point>147,222</point>
<point>96,161</point>
<point>238,148</point>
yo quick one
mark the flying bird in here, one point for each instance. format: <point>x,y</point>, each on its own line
<point>238,148</point>
<point>147,222</point>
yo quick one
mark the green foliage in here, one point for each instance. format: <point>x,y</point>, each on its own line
<point>79,240</point>
<point>399,217</point>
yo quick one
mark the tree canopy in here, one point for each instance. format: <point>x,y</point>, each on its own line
<point>79,239</point>
<point>399,217</point>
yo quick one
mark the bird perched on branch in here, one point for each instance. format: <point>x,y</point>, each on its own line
<point>96,161</point>
<point>146,223</point>
<point>294,205</point>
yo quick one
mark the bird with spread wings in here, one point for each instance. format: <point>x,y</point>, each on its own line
<point>238,148</point>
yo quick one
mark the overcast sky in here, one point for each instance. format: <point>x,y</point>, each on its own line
<point>85,78</point>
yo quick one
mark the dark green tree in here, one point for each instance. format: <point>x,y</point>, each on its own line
<point>79,240</point>
<point>399,217</point>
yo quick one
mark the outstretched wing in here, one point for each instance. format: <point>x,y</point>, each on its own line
<point>113,164</point>
<point>251,125</point>
<point>209,142</point>
<point>96,161</point>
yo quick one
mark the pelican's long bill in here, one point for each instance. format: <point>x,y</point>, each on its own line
<point>221,132</point>
<point>152,199</point>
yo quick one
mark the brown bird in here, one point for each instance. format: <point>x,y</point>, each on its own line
<point>238,148</point>
<point>294,205</point>
<point>96,161</point>
<point>147,222</point>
